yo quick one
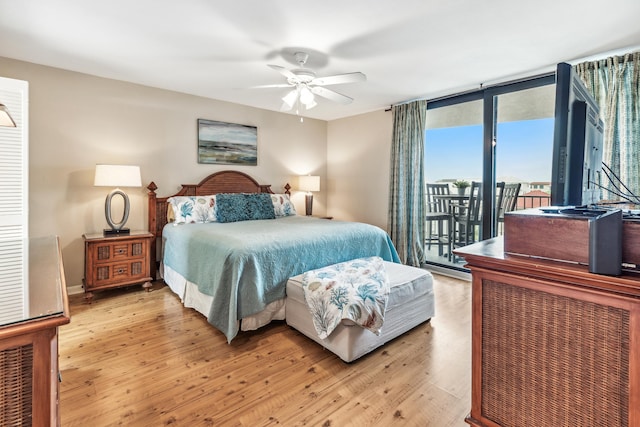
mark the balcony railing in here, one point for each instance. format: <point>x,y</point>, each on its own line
<point>527,202</point>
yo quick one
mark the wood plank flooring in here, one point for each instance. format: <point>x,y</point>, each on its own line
<point>135,358</point>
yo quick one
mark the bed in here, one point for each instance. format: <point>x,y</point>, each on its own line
<point>235,272</point>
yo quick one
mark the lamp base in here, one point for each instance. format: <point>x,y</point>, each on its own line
<point>308,204</point>
<point>109,232</point>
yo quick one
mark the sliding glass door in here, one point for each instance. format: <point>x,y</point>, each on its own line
<point>499,138</point>
<point>523,147</point>
<point>453,161</point>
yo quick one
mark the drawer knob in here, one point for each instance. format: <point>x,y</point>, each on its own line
<point>120,271</point>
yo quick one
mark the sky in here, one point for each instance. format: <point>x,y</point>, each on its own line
<point>524,151</point>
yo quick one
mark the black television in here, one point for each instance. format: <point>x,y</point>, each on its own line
<point>577,143</point>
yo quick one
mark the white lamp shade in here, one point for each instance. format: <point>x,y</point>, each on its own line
<point>309,183</point>
<point>290,99</point>
<point>305,95</point>
<point>5,117</point>
<point>310,105</point>
<point>307,98</point>
<point>117,176</point>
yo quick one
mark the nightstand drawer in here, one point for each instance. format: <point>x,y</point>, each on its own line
<point>122,251</point>
<point>107,252</point>
<point>120,272</point>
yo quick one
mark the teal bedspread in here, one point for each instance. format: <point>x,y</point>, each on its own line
<point>245,265</point>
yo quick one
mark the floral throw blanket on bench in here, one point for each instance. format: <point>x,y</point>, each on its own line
<point>357,290</point>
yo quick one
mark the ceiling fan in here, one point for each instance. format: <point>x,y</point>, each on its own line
<point>305,85</point>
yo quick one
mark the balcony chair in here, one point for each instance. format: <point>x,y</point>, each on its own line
<point>467,218</point>
<point>438,213</point>
<point>507,201</point>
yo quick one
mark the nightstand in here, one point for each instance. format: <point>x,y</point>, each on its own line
<point>116,261</point>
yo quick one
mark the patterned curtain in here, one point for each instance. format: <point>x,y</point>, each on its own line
<point>615,84</point>
<point>406,195</point>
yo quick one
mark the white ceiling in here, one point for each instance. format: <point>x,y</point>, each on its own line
<point>408,49</point>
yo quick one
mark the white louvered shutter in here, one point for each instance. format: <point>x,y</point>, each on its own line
<point>14,203</point>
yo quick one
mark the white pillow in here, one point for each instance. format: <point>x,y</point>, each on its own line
<point>282,205</point>
<point>193,209</point>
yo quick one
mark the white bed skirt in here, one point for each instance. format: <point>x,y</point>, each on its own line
<point>191,297</point>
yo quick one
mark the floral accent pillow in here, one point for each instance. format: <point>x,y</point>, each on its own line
<point>244,207</point>
<point>282,205</point>
<point>193,209</point>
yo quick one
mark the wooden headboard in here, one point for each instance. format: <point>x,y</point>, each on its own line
<point>220,182</point>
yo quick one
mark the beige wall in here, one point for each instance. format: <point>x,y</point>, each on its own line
<point>77,120</point>
<point>358,164</point>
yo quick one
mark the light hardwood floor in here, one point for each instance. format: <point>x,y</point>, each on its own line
<point>138,358</point>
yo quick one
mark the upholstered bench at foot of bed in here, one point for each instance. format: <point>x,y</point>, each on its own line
<point>411,302</point>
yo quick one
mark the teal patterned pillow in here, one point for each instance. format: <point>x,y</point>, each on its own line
<point>243,207</point>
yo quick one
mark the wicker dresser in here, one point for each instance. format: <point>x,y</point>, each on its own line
<point>552,344</point>
<point>29,343</point>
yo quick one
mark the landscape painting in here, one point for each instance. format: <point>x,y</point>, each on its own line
<point>223,143</point>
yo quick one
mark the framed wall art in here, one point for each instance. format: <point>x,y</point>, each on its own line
<point>223,143</point>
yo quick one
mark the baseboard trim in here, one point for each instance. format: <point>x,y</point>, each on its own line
<point>73,290</point>
<point>456,274</point>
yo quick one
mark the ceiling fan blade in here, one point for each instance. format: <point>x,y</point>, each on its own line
<point>270,86</point>
<point>288,74</point>
<point>331,95</point>
<point>339,79</point>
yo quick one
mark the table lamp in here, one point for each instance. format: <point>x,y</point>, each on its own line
<point>5,117</point>
<point>117,176</point>
<point>309,183</point>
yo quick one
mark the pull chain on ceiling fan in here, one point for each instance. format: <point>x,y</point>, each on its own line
<point>306,85</point>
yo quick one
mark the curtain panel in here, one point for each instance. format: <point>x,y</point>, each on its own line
<point>406,195</point>
<point>615,84</point>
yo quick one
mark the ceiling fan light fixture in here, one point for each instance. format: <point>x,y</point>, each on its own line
<point>306,97</point>
<point>310,105</point>
<point>290,98</point>
<point>305,85</point>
